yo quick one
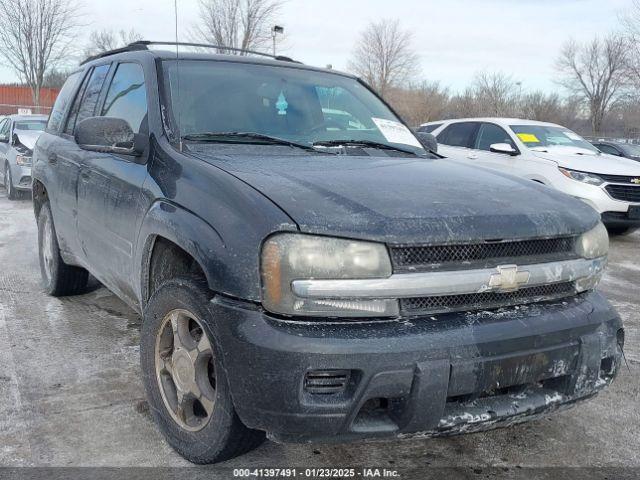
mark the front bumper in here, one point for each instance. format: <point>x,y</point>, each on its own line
<point>431,376</point>
<point>594,195</point>
<point>21,177</point>
<point>620,219</point>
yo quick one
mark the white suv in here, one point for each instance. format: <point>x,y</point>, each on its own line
<point>549,154</point>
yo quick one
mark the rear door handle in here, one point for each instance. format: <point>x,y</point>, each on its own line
<point>84,175</point>
<point>53,158</point>
<point>472,156</point>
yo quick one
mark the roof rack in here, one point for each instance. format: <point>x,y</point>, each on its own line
<point>144,45</point>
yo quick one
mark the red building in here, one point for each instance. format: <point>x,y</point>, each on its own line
<point>14,97</point>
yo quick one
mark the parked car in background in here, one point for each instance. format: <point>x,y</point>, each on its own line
<point>549,154</point>
<point>619,149</point>
<point>18,135</point>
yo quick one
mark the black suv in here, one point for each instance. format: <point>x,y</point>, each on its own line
<point>304,268</point>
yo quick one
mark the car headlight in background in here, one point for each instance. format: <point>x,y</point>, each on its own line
<point>593,244</point>
<point>291,256</point>
<point>583,177</point>
<point>23,160</point>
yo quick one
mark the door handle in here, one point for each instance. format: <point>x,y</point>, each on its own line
<point>52,158</point>
<point>472,156</point>
<point>84,175</point>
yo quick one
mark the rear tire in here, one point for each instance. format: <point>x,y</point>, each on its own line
<point>12,193</point>
<point>59,279</point>
<point>621,231</point>
<point>206,432</point>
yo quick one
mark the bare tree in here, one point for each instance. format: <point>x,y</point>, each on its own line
<point>104,40</point>
<point>55,78</point>
<point>384,57</point>
<point>496,94</point>
<point>542,107</point>
<point>631,24</point>
<point>419,103</point>
<point>243,24</point>
<point>35,36</point>
<point>596,71</point>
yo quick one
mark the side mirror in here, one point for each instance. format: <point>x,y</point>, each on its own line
<point>428,141</point>
<point>503,148</point>
<point>109,135</point>
<point>4,138</point>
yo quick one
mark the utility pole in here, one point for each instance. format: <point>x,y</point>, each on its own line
<point>275,30</point>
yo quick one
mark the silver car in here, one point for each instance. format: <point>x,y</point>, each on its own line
<point>18,135</point>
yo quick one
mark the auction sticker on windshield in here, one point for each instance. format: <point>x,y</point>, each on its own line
<point>528,138</point>
<point>395,132</point>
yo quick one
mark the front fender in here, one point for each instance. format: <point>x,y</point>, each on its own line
<point>202,242</point>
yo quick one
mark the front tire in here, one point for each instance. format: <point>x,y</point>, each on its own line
<point>12,193</point>
<point>59,279</point>
<point>186,384</point>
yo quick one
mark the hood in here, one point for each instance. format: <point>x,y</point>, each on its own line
<point>406,200</point>
<point>588,161</point>
<point>28,137</point>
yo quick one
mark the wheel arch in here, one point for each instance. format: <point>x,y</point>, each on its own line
<point>175,241</point>
<point>39,196</point>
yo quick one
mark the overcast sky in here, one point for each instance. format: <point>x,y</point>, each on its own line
<point>453,38</point>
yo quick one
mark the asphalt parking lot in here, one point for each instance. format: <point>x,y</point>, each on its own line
<point>71,395</point>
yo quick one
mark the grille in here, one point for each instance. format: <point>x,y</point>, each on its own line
<point>616,178</point>
<point>488,253</point>
<point>486,300</point>
<point>623,192</point>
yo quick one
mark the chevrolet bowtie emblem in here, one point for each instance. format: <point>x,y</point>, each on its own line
<point>508,278</point>
<point>636,181</point>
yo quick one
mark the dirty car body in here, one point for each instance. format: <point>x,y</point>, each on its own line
<point>356,290</point>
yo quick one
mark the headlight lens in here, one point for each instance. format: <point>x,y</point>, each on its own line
<point>23,160</point>
<point>581,176</point>
<point>291,256</point>
<point>594,243</point>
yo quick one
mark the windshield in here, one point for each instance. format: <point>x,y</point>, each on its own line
<point>297,105</point>
<point>633,149</point>
<point>30,125</point>
<point>547,136</point>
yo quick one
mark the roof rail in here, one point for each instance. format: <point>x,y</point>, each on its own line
<point>144,45</point>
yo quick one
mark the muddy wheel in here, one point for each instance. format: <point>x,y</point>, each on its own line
<point>186,386</point>
<point>59,279</point>
<point>12,193</point>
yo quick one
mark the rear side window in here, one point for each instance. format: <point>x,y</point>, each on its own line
<point>62,102</point>
<point>429,128</point>
<point>87,99</point>
<point>458,134</point>
<point>127,98</point>
<point>490,134</point>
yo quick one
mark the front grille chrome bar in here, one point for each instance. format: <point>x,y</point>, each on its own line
<point>504,278</point>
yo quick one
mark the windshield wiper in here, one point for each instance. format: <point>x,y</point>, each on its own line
<point>244,137</point>
<point>362,143</point>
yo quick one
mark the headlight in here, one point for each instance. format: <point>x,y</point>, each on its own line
<point>291,256</point>
<point>583,177</point>
<point>23,160</point>
<point>594,243</point>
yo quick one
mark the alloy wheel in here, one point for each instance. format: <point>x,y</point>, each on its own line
<point>48,254</point>
<point>185,370</point>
